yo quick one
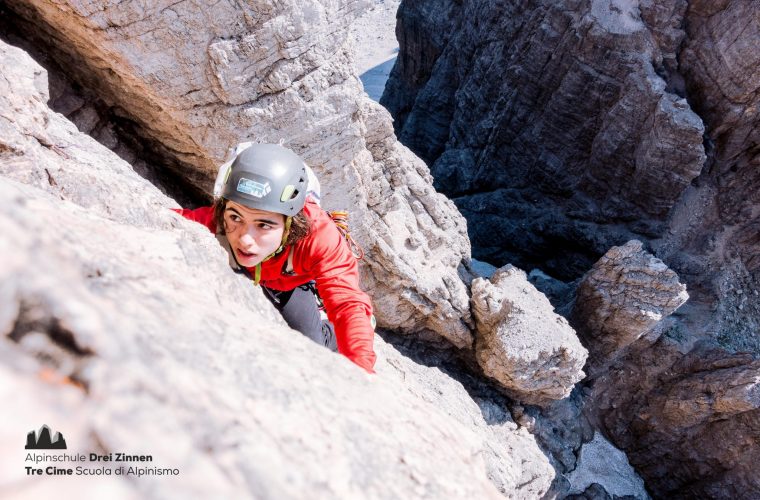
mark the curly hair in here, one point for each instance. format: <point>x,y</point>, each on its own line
<point>300,226</point>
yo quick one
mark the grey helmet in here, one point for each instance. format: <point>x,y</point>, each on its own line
<point>267,177</point>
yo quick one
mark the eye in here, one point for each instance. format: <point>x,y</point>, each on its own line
<point>264,225</point>
<point>234,217</point>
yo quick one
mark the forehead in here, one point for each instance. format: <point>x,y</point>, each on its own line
<point>253,212</point>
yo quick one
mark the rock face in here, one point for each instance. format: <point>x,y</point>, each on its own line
<point>515,463</point>
<point>554,126</point>
<point>121,323</point>
<point>621,298</point>
<point>195,80</point>
<point>717,398</point>
<point>712,237</point>
<point>521,343</point>
<point>594,133</point>
<point>690,424</point>
<point>97,265</point>
<point>563,128</point>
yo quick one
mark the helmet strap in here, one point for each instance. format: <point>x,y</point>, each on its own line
<point>285,234</point>
<point>257,274</point>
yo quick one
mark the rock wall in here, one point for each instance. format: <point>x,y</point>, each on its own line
<point>690,423</point>
<point>608,121</point>
<point>122,324</point>
<point>553,125</point>
<point>561,129</point>
<point>679,405</point>
<point>195,80</point>
<point>712,235</point>
<point>267,76</point>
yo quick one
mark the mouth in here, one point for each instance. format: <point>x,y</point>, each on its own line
<point>245,255</point>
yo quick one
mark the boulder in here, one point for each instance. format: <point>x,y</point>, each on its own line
<point>521,343</point>
<point>621,298</point>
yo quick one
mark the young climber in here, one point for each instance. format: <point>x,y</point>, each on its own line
<point>276,233</point>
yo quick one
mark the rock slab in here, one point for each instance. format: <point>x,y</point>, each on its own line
<point>122,326</point>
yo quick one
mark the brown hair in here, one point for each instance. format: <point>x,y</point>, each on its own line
<point>299,226</point>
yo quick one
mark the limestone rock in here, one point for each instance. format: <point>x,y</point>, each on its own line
<point>696,414</point>
<point>599,462</point>
<point>416,238</point>
<point>177,357</point>
<point>123,327</point>
<point>704,414</point>
<point>551,125</point>
<point>40,148</point>
<point>195,80</point>
<point>622,297</point>
<point>521,343</point>
<point>558,128</point>
<point>711,240</point>
<point>712,396</point>
<point>516,462</point>
<point>639,120</point>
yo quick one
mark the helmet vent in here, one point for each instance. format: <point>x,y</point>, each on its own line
<point>288,193</point>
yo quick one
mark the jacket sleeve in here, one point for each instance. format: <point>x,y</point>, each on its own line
<point>336,272</point>
<point>202,215</point>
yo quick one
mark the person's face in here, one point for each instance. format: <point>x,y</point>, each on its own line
<point>253,234</point>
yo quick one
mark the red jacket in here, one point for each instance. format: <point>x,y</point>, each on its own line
<point>323,256</point>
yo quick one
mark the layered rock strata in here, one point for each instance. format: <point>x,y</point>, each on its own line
<point>689,424</point>
<point>195,80</point>
<point>661,393</point>
<point>565,152</point>
<point>554,126</point>
<point>712,237</point>
<point>564,128</point>
<point>624,295</point>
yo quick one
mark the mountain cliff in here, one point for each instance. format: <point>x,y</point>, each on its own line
<point>561,129</point>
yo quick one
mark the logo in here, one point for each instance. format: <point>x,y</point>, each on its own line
<point>41,440</point>
<point>253,188</point>
<point>66,463</point>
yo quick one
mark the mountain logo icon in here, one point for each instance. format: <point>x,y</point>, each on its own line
<point>42,440</point>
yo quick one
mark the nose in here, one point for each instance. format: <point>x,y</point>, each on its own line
<point>248,239</point>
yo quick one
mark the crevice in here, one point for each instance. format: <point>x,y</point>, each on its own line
<point>33,318</point>
<point>109,125</point>
<point>459,365</point>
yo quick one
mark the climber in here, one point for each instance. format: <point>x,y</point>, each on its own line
<point>276,233</point>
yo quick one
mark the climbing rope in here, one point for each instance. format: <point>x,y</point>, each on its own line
<point>340,217</point>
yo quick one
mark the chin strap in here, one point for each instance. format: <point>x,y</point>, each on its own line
<point>285,234</point>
